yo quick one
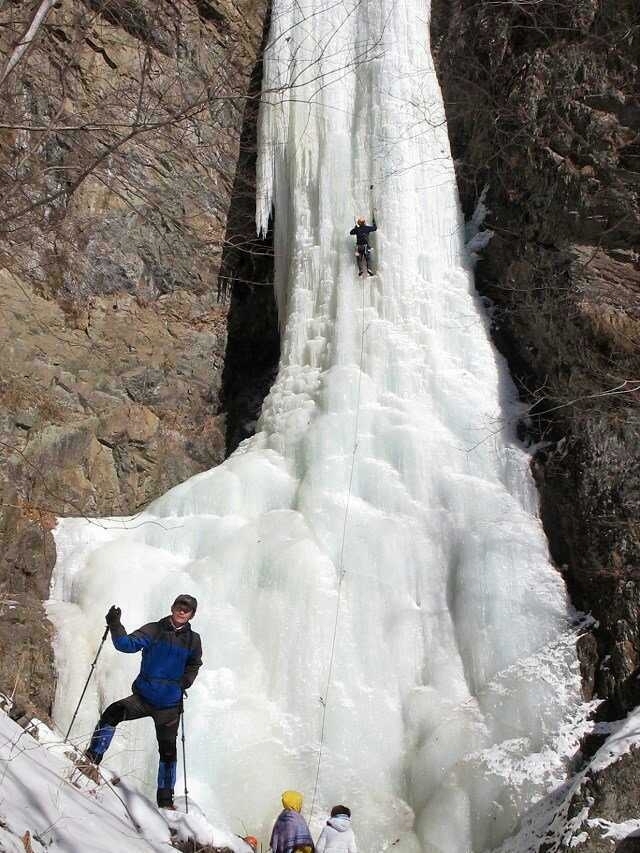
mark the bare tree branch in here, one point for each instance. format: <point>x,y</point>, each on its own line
<point>23,45</point>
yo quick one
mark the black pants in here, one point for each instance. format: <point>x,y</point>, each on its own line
<point>166,721</point>
<point>364,255</point>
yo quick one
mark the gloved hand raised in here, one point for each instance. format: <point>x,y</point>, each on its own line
<point>113,616</point>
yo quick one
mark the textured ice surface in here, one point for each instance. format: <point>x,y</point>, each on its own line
<point>454,658</point>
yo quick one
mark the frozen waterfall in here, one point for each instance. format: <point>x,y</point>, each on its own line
<point>384,494</point>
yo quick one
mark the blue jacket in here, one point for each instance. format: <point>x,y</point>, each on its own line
<point>171,659</point>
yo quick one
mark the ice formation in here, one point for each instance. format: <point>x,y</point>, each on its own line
<point>383,495</point>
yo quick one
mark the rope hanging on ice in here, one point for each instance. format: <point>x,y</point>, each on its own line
<point>342,571</point>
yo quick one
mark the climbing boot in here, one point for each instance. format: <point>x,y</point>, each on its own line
<point>166,784</point>
<point>100,742</point>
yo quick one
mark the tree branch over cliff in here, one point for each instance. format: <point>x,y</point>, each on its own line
<point>136,106</point>
<point>25,42</point>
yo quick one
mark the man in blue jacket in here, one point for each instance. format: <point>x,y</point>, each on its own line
<point>171,658</point>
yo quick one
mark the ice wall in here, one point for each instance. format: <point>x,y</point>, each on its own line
<point>383,495</point>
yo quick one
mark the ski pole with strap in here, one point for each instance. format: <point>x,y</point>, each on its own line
<point>86,684</point>
<point>184,758</point>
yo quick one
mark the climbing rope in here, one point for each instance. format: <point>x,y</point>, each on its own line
<point>341,569</point>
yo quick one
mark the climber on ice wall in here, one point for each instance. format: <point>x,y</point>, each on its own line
<point>361,232</point>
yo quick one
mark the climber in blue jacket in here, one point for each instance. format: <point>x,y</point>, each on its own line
<point>171,657</point>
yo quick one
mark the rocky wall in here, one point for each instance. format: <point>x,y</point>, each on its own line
<point>253,335</point>
<point>543,106</point>
<point>119,135</point>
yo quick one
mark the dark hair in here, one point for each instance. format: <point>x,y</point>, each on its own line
<point>187,600</point>
<point>340,810</point>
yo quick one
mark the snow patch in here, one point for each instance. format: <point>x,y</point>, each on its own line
<point>41,792</point>
<point>625,736</point>
<point>477,237</point>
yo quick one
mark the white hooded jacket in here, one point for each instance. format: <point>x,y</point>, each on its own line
<point>337,836</point>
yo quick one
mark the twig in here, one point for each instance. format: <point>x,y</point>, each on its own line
<point>25,42</point>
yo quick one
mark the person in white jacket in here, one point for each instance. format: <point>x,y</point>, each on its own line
<point>337,836</point>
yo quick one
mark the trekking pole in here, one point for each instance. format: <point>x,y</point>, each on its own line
<point>184,760</point>
<point>93,666</point>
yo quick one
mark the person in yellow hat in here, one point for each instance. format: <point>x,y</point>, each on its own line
<point>290,831</point>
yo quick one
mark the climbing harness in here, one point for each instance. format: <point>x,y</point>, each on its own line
<point>341,573</point>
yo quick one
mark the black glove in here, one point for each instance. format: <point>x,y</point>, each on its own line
<point>113,616</point>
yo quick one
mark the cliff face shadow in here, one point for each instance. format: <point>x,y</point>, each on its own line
<point>246,275</point>
<point>630,844</point>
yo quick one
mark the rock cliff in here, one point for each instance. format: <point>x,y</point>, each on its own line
<point>543,106</point>
<point>542,101</point>
<point>120,131</point>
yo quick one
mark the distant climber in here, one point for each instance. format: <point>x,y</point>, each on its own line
<point>290,831</point>
<point>363,249</point>
<point>337,836</point>
<point>171,657</point>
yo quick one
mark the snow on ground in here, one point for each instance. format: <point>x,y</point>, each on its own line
<point>549,819</point>
<point>43,794</point>
<point>624,735</point>
<point>617,831</point>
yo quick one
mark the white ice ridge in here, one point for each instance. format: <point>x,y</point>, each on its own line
<point>455,666</point>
